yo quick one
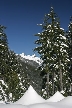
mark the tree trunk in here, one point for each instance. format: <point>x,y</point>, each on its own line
<point>48,84</point>
<point>61,84</point>
<point>71,89</point>
<point>53,83</point>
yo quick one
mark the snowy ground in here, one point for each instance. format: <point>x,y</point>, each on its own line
<point>32,100</point>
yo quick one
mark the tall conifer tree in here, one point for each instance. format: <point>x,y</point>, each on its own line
<point>3,59</point>
<point>53,51</point>
<point>69,37</point>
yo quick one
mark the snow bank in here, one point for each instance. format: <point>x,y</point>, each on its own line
<point>30,97</point>
<point>40,106</point>
<point>56,97</point>
<point>2,102</point>
<point>12,106</point>
<point>49,105</point>
<point>32,100</point>
<point>66,101</point>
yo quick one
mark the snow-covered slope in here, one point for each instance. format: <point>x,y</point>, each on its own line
<point>30,97</point>
<point>56,97</point>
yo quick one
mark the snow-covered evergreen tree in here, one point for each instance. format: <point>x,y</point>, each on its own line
<point>11,77</point>
<point>53,51</point>
<point>3,50</point>
<point>69,37</point>
<point>45,48</point>
<point>3,60</point>
<point>15,78</point>
<point>11,86</point>
<point>62,59</point>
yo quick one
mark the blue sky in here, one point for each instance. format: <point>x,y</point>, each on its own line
<point>22,16</point>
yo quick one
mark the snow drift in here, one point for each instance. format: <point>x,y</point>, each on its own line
<point>56,97</point>
<point>66,101</point>
<point>30,97</point>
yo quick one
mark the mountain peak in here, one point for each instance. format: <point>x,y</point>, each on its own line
<point>32,57</point>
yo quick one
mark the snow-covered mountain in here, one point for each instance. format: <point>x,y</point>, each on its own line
<point>33,58</point>
<point>30,59</point>
<point>30,65</point>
